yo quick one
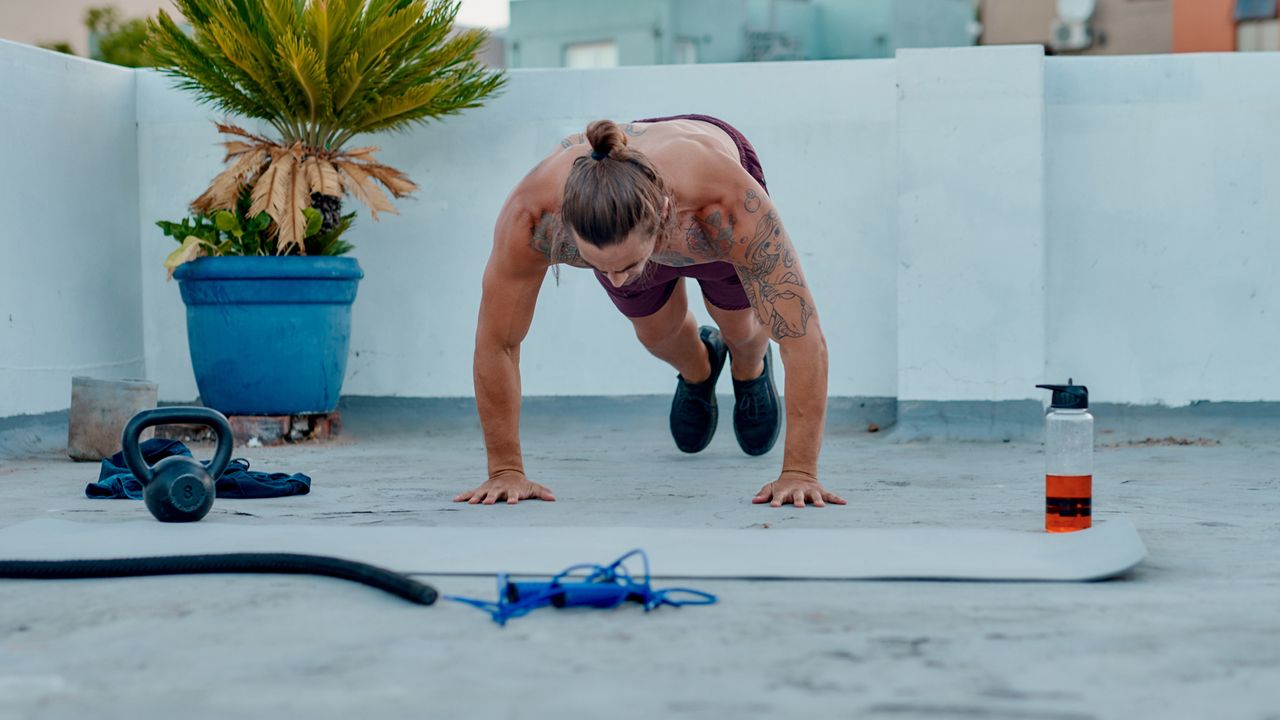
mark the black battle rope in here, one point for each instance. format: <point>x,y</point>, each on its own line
<point>279,563</point>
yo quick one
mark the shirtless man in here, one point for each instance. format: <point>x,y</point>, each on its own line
<point>645,205</point>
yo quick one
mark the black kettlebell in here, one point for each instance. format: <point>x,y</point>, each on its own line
<point>178,488</point>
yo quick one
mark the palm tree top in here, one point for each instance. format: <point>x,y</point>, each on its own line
<point>323,71</point>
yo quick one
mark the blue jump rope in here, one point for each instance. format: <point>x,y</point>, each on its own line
<point>601,587</point>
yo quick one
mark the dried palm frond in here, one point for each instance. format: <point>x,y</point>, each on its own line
<point>322,177</point>
<point>226,187</point>
<point>359,183</point>
<point>397,182</point>
<point>281,180</point>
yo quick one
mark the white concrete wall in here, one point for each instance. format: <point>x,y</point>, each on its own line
<point>1150,271</point>
<point>971,221</point>
<point>1164,226</point>
<point>70,303</point>
<point>828,158</point>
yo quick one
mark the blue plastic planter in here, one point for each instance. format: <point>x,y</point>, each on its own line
<point>269,335</point>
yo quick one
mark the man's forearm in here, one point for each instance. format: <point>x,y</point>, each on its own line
<point>497,381</point>
<point>805,360</point>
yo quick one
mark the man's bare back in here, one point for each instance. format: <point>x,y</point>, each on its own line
<point>681,150</point>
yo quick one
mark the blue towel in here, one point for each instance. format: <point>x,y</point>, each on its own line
<point>115,480</point>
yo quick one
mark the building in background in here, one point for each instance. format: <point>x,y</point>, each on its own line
<point>1225,25</point>
<point>1081,27</point>
<point>1132,27</point>
<point>608,33</point>
<point>1205,25</point>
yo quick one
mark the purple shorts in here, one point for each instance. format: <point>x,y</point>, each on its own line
<point>718,280</point>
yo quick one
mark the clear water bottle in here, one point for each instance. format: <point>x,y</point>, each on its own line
<point>1068,450</point>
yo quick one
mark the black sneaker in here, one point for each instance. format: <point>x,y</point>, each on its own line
<point>757,413</point>
<point>693,411</point>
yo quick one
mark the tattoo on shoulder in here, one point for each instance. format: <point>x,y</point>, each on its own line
<point>634,130</point>
<point>773,282</point>
<point>752,202</point>
<point>572,140</point>
<point>553,240</point>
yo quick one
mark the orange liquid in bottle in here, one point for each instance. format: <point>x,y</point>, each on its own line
<point>1068,502</point>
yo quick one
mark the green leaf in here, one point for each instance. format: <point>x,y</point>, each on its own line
<point>170,229</point>
<point>188,227</point>
<point>314,221</point>
<point>308,75</point>
<point>196,64</point>
<point>328,243</point>
<point>226,222</point>
<point>338,247</point>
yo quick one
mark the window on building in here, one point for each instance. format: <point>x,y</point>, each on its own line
<point>1255,10</point>
<point>591,55</point>
<point>1258,36</point>
<point>686,51</point>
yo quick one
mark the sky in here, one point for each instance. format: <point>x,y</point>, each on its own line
<point>484,13</point>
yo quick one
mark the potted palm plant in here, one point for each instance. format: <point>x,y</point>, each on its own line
<point>259,262</point>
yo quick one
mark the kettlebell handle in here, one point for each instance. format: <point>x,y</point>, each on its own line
<point>175,415</point>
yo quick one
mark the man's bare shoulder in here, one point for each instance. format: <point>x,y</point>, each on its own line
<point>552,240</point>
<point>530,217</point>
<point>531,230</point>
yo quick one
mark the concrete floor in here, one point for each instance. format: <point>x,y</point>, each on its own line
<point>1194,632</point>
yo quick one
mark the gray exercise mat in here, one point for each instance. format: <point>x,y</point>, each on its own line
<point>1108,549</point>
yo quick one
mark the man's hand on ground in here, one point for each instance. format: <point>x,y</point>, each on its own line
<point>509,485</point>
<point>796,488</point>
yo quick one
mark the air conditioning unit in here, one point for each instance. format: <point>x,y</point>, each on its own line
<point>1071,30</point>
<point>1069,36</point>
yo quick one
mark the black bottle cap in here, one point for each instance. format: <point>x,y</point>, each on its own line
<point>1069,396</point>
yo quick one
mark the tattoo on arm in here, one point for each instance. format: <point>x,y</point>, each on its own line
<point>752,202</point>
<point>773,281</point>
<point>572,140</point>
<point>553,240</point>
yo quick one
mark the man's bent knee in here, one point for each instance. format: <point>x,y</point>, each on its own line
<point>740,327</point>
<point>655,330</point>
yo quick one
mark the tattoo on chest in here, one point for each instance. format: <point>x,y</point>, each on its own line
<point>552,239</point>
<point>672,259</point>
<point>711,236</point>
